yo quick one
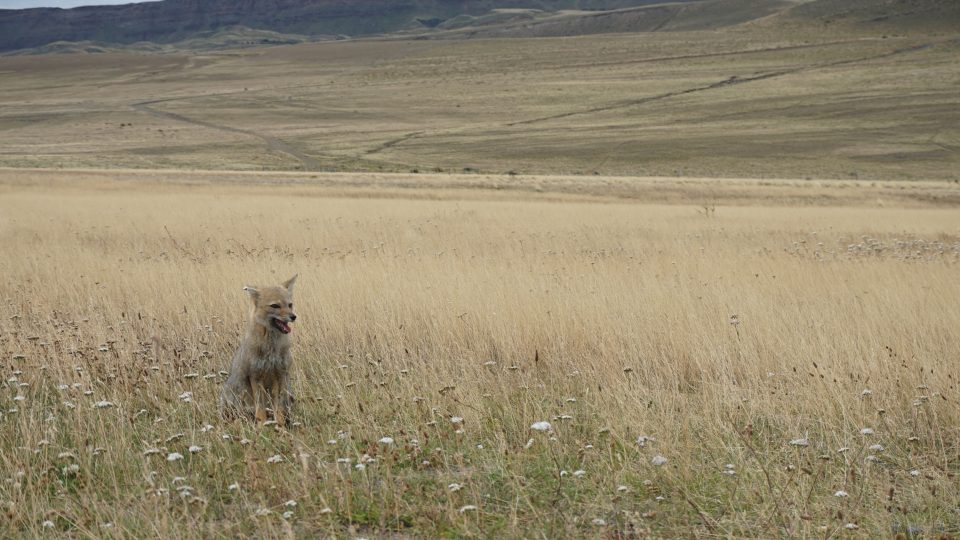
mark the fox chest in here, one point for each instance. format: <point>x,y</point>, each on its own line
<point>270,363</point>
<point>269,360</point>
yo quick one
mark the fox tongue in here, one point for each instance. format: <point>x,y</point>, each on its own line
<point>282,326</point>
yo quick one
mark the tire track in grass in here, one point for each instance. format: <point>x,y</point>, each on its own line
<point>274,144</point>
<point>393,142</point>
<point>730,81</point>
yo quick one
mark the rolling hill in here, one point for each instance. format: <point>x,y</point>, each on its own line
<point>176,20</point>
<point>217,24</point>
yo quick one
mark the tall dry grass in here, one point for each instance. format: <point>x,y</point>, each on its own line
<point>753,344</point>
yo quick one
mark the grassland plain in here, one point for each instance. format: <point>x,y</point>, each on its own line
<point>778,363</point>
<point>751,101</point>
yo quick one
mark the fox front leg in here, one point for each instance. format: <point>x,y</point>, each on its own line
<point>259,399</point>
<point>277,390</point>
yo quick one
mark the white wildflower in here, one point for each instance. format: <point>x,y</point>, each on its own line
<point>622,488</point>
<point>104,404</point>
<point>841,493</point>
<point>456,420</point>
<point>876,447</point>
<point>47,524</point>
<point>914,472</point>
<point>276,458</point>
<point>386,440</point>
<point>455,487</point>
<point>233,487</point>
<point>866,431</point>
<point>658,460</point>
<point>194,449</point>
<point>643,440</point>
<point>579,473</point>
<point>174,456</point>
<point>800,442</point>
<point>599,522</point>
<point>540,426</point>
<point>290,504</point>
<point>467,508</point>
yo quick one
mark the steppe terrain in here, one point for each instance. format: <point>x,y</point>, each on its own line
<point>752,101</point>
<point>722,265</point>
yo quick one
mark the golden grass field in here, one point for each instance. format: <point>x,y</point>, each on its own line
<point>724,266</point>
<point>723,334</point>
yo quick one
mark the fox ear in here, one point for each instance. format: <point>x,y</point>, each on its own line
<point>254,293</point>
<point>288,285</point>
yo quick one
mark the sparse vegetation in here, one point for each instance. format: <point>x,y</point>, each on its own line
<point>755,102</point>
<point>762,373</point>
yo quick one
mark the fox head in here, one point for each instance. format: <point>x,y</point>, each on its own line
<point>273,306</point>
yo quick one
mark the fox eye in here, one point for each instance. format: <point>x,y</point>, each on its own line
<point>290,305</point>
<point>275,306</point>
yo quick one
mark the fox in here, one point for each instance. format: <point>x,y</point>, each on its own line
<point>259,377</point>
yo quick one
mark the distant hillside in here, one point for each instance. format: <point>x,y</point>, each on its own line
<point>231,37</point>
<point>670,16</point>
<point>176,20</point>
<point>893,15</point>
<point>212,24</point>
